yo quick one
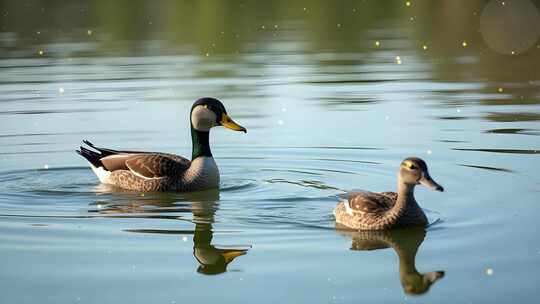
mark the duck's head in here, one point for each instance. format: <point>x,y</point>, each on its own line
<point>414,171</point>
<point>208,112</point>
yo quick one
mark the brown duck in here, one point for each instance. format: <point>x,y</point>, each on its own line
<point>386,210</point>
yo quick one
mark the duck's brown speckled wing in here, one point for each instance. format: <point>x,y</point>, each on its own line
<point>369,202</point>
<point>392,198</point>
<point>157,165</point>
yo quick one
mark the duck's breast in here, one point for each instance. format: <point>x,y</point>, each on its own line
<point>202,174</point>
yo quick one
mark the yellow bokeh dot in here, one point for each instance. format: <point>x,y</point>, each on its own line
<point>424,47</point>
<point>408,3</point>
<point>500,90</point>
<point>377,43</point>
<point>464,44</point>
<point>40,52</point>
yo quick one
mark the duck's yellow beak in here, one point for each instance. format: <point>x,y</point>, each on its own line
<point>228,123</point>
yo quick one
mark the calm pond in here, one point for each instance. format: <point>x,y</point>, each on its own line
<point>334,94</point>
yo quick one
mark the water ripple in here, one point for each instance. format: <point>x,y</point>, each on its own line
<point>505,151</point>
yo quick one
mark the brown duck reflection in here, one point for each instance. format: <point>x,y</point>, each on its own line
<point>212,259</point>
<point>405,243</point>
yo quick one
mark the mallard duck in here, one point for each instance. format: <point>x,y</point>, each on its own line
<point>151,171</point>
<point>405,243</point>
<point>386,210</point>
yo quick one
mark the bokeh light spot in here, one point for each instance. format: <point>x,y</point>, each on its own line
<point>511,28</point>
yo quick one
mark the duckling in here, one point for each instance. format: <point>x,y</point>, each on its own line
<point>154,171</point>
<point>405,243</point>
<point>386,210</point>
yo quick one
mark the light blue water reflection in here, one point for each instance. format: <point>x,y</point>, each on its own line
<point>329,108</point>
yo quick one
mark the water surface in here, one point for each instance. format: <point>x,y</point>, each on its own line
<point>329,107</point>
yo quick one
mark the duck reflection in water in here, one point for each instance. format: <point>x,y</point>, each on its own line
<point>212,259</point>
<point>405,243</point>
<point>202,205</point>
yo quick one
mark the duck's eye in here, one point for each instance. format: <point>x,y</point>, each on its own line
<point>413,167</point>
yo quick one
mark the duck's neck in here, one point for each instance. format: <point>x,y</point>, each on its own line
<point>201,145</point>
<point>405,199</point>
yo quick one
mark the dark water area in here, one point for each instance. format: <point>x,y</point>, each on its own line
<point>334,95</point>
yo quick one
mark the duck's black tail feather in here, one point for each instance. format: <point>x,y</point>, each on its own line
<point>91,156</point>
<point>95,157</point>
<point>104,151</point>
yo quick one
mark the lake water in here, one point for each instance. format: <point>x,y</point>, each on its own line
<point>334,96</point>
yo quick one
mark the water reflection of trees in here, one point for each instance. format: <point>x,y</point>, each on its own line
<point>235,27</point>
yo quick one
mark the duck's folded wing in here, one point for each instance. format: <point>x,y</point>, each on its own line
<point>368,202</point>
<point>149,165</point>
<point>391,198</point>
<point>157,165</point>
